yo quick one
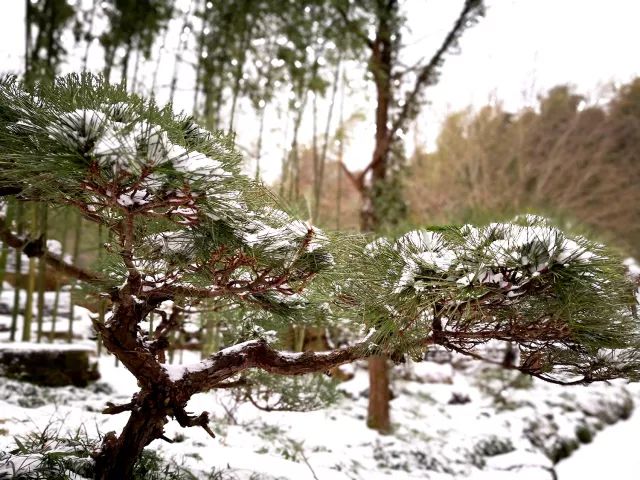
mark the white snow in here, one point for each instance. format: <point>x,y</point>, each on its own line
<point>526,248</point>
<point>48,347</point>
<point>432,438</point>
<point>612,454</point>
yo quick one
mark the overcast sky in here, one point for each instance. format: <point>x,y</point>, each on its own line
<point>520,49</point>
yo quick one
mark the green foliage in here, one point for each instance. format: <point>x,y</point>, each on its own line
<point>252,48</point>
<point>150,466</point>
<point>55,454</point>
<point>188,226</point>
<point>565,301</point>
<point>584,434</point>
<point>50,454</point>
<point>297,393</point>
<point>134,25</point>
<point>197,221</point>
<point>50,18</point>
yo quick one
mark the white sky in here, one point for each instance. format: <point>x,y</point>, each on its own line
<point>520,49</point>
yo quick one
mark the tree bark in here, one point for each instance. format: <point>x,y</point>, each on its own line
<point>378,415</point>
<point>118,456</point>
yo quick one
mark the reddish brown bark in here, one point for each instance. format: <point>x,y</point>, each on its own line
<point>378,415</point>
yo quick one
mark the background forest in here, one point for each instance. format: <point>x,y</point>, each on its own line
<point>295,86</point>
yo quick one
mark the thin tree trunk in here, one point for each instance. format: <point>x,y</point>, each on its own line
<point>42,270</point>
<point>284,177</point>
<point>182,45</point>
<point>340,156</point>
<point>50,66</point>
<point>76,253</point>
<point>125,64</point>
<point>18,273</point>
<point>378,415</point>
<point>379,395</point>
<point>154,80</point>
<point>56,301</point>
<point>259,143</point>
<point>27,39</point>
<point>238,77</point>
<point>4,254</point>
<point>85,57</point>
<point>136,66</point>
<point>319,174</point>
<point>315,160</point>
<point>294,157</point>
<point>31,280</point>
<point>109,56</point>
<point>197,86</point>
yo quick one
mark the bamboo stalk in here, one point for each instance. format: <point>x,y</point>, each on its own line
<point>319,174</point>
<point>85,57</point>
<point>76,252</point>
<point>4,254</point>
<point>340,155</point>
<point>42,269</point>
<point>18,273</point>
<point>31,281</point>
<point>182,46</point>
<point>56,301</point>
<point>102,304</point>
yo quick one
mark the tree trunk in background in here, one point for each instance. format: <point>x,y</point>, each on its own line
<point>27,36</point>
<point>4,254</point>
<point>259,142</point>
<point>182,45</point>
<point>378,416</point>
<point>17,272</point>
<point>319,165</point>
<point>76,254</point>
<point>237,77</point>
<point>31,280</point>
<point>85,57</point>
<point>154,78</point>
<point>56,301</point>
<point>42,268</point>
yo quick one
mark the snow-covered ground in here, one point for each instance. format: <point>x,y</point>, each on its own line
<point>501,432</point>
<point>452,419</point>
<point>612,454</point>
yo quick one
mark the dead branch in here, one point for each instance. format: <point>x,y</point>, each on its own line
<point>428,73</point>
<point>187,420</point>
<point>113,409</point>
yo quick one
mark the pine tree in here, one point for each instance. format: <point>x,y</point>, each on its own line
<point>190,230</point>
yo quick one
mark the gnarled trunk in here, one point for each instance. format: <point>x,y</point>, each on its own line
<point>149,407</point>
<point>118,455</point>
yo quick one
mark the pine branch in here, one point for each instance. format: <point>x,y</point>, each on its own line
<point>258,354</point>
